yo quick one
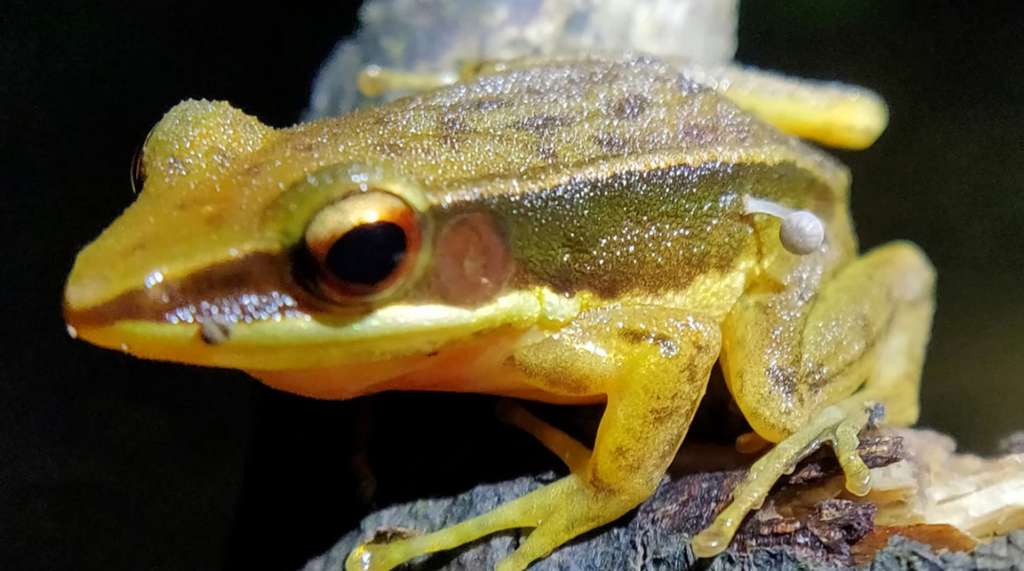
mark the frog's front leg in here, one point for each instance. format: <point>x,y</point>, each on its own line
<point>807,363</point>
<point>653,365</point>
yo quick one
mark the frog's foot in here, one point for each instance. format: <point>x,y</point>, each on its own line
<point>751,443</point>
<point>838,425</point>
<point>571,451</point>
<point>653,386</point>
<point>376,81</point>
<point>545,509</point>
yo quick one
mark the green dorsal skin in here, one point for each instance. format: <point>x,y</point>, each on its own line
<point>642,232</point>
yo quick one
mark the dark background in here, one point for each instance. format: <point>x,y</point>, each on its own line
<point>108,462</point>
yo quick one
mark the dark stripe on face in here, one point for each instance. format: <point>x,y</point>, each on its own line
<point>256,287</point>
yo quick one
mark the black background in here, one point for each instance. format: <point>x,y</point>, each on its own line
<point>108,462</point>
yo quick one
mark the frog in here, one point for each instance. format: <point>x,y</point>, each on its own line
<point>572,231</point>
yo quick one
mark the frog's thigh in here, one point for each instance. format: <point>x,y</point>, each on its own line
<point>786,358</point>
<point>830,113</point>
<point>653,365</point>
<point>868,326</point>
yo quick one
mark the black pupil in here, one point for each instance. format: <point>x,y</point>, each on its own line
<point>366,255</point>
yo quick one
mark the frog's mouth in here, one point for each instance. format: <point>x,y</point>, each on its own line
<point>298,340</point>
<point>249,313</point>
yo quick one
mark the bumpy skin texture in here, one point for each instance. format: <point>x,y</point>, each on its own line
<point>539,136</point>
<point>604,251</point>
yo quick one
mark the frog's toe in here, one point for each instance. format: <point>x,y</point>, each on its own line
<point>368,557</point>
<point>526,511</point>
<point>711,541</point>
<point>580,508</point>
<point>845,442</point>
<point>838,424</point>
<point>387,549</point>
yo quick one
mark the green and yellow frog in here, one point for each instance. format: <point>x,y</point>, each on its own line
<point>588,230</point>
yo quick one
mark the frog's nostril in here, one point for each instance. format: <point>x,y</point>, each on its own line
<point>84,291</point>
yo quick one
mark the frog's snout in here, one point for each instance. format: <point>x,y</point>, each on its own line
<point>82,290</point>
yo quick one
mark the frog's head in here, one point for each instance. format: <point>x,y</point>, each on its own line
<point>239,254</point>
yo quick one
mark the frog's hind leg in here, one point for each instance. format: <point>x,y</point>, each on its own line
<point>838,425</point>
<point>653,366</point>
<point>827,112</point>
<point>377,81</point>
<point>807,369</point>
<point>568,449</point>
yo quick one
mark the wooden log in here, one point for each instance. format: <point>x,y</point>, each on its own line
<point>807,522</point>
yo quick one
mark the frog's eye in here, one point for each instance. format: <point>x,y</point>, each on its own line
<point>363,246</point>
<point>138,169</point>
<point>138,172</point>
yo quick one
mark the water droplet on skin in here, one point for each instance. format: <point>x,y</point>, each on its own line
<point>153,279</point>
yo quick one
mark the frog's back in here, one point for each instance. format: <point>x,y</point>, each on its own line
<point>530,126</point>
<point>608,176</point>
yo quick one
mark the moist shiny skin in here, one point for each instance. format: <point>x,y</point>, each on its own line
<point>604,177</point>
<point>571,231</point>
